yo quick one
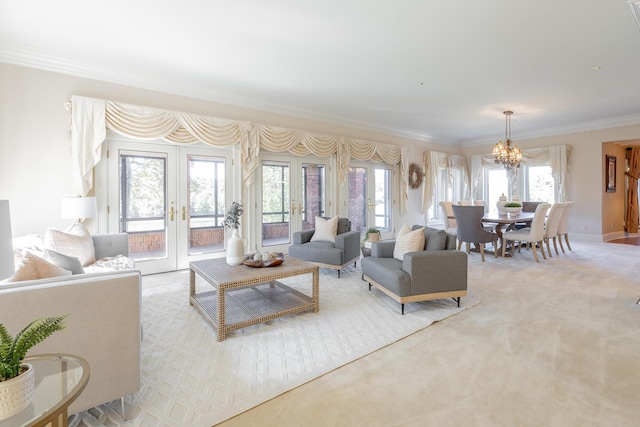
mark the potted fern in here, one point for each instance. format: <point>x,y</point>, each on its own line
<point>17,378</point>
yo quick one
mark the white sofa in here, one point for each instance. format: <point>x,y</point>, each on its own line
<point>104,323</point>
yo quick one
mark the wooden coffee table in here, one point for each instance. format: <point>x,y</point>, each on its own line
<point>245,296</point>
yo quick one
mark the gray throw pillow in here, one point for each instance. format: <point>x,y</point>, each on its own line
<point>69,263</point>
<point>436,239</point>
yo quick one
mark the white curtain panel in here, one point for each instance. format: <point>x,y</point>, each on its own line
<point>435,161</point>
<point>91,117</point>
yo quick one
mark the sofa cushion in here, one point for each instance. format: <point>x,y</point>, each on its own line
<point>70,263</point>
<point>388,272</point>
<point>76,244</point>
<point>32,267</point>
<point>436,239</point>
<point>322,252</point>
<point>326,229</point>
<point>408,241</point>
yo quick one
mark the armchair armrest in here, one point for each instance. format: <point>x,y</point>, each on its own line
<point>304,236</point>
<point>383,248</point>
<point>349,242</point>
<point>436,271</point>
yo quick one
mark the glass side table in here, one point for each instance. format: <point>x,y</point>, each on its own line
<point>59,380</point>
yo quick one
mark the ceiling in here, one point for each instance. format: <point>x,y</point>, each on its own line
<point>441,71</point>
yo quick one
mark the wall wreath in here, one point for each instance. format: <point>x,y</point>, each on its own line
<point>416,175</point>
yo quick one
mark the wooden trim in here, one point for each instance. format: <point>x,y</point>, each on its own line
<point>416,298</point>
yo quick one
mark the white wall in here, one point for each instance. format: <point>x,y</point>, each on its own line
<point>35,148</point>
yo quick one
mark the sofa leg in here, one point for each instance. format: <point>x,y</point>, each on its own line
<point>402,308</point>
<point>338,274</point>
<point>369,287</point>
<point>457,299</point>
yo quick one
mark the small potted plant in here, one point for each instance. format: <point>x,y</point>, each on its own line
<point>235,245</point>
<point>17,378</point>
<point>372,235</point>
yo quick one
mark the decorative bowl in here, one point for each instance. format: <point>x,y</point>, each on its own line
<point>512,210</point>
<point>268,259</point>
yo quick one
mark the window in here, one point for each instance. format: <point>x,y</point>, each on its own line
<point>450,187</point>
<point>539,184</point>
<point>275,186</point>
<point>532,183</point>
<point>206,192</point>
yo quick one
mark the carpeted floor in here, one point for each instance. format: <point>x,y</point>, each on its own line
<point>552,344</point>
<point>190,379</point>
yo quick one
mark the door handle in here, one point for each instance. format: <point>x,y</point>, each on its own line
<point>293,209</point>
<point>172,213</point>
<point>184,213</point>
<point>300,208</point>
<point>370,204</point>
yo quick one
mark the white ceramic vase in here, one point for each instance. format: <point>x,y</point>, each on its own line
<point>235,249</point>
<point>502,200</point>
<point>16,393</point>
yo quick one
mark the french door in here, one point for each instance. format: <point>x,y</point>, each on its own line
<point>171,200</point>
<point>371,197</point>
<point>290,193</point>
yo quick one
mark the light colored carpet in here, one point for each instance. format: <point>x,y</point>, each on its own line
<point>190,379</point>
<point>554,343</point>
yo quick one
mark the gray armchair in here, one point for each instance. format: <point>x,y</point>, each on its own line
<point>470,229</point>
<point>439,271</point>
<point>338,255</point>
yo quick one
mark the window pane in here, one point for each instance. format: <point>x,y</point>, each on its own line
<point>383,199</point>
<point>497,185</point>
<point>358,198</point>
<point>540,184</point>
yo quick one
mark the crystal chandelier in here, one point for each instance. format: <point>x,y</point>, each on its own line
<point>503,152</point>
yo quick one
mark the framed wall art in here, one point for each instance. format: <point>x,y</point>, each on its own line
<point>610,168</point>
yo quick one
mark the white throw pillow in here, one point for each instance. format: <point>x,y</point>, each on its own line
<point>326,230</point>
<point>32,267</point>
<point>76,244</point>
<point>408,241</point>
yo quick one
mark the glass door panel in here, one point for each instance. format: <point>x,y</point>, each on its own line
<point>371,200</point>
<point>276,199</point>
<point>313,194</point>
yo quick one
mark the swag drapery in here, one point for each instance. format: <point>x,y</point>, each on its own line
<point>633,173</point>
<point>435,161</point>
<point>90,118</point>
<point>556,157</point>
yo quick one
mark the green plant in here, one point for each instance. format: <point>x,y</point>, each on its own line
<point>232,219</point>
<point>512,205</point>
<point>370,230</point>
<point>13,350</point>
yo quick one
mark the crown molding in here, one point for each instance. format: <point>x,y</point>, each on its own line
<point>611,122</point>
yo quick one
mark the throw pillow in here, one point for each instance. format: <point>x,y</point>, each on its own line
<point>436,239</point>
<point>76,244</point>
<point>408,241</point>
<point>32,267</point>
<point>326,230</point>
<point>70,263</point>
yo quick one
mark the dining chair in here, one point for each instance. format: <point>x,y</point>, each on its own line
<point>563,227</point>
<point>533,235</point>
<point>450,224</point>
<point>551,226</point>
<point>470,229</point>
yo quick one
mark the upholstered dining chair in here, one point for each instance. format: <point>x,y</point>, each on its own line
<point>533,235</point>
<point>563,227</point>
<point>551,226</point>
<point>470,229</point>
<point>450,224</point>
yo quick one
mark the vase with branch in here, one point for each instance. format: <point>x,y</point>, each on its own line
<point>235,245</point>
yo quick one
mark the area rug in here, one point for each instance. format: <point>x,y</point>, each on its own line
<point>188,378</point>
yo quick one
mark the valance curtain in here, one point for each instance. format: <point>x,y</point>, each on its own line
<point>632,214</point>
<point>91,117</point>
<point>435,161</point>
<point>557,157</point>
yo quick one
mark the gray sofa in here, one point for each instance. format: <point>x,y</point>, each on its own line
<point>439,271</point>
<point>104,325</point>
<point>338,255</point>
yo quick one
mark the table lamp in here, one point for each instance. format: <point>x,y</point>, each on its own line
<point>79,208</point>
<point>7,267</point>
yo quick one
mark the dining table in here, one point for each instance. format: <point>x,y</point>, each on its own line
<point>504,222</point>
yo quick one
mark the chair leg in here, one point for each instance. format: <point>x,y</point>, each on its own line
<point>555,245</point>
<point>542,249</point>
<point>504,245</point>
<point>560,241</point>
<point>495,248</point>
<point>459,244</point>
<point>548,247</point>
<point>468,247</point>
<point>482,251</point>
<point>566,238</point>
<point>535,252</point>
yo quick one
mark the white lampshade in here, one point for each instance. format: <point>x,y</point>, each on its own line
<point>7,267</point>
<point>79,207</point>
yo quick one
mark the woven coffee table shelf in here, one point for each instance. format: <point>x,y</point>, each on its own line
<point>245,296</point>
